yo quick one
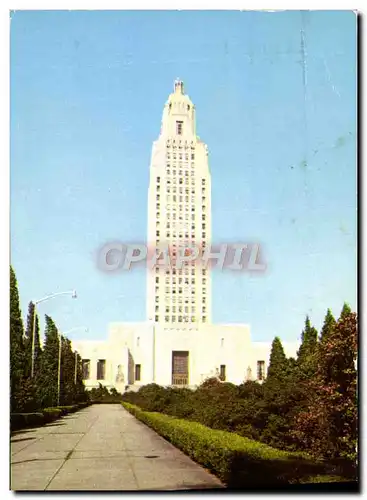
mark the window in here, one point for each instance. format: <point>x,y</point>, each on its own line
<point>222,375</point>
<point>179,126</point>
<point>157,318</point>
<point>101,369</point>
<point>260,370</point>
<point>86,369</point>
<point>138,341</point>
<point>137,373</point>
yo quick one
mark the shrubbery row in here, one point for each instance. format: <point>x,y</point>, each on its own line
<point>236,460</point>
<point>47,415</point>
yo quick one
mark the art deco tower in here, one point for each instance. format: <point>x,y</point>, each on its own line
<point>179,211</point>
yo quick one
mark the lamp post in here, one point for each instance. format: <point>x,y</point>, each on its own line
<point>59,361</point>
<point>73,295</point>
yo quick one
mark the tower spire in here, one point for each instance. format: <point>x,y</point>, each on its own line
<point>179,86</point>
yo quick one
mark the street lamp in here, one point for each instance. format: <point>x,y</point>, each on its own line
<point>73,295</point>
<point>59,362</point>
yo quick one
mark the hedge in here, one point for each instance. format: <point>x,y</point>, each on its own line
<point>21,420</point>
<point>238,461</point>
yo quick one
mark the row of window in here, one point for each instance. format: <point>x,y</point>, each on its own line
<point>101,363</point>
<point>260,371</point>
<point>189,304</point>
<point>180,165</point>
<point>180,280</point>
<point>180,225</point>
<point>181,271</point>
<point>179,235</point>
<point>185,272</point>
<point>158,179</point>
<point>181,309</point>
<point>178,208</point>
<point>181,190</point>
<point>179,299</point>
<point>181,217</point>
<point>181,143</point>
<point>101,366</point>
<point>101,369</point>
<point>180,319</point>
<point>180,290</point>
<point>181,156</point>
<point>180,198</point>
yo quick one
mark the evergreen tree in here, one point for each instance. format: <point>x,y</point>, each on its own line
<point>16,346</point>
<point>29,340</point>
<point>81,393</point>
<point>329,325</point>
<point>278,365</point>
<point>69,389</point>
<point>328,427</point>
<point>281,396</point>
<point>306,355</point>
<point>48,379</point>
<point>345,311</point>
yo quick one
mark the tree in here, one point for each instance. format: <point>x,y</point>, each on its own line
<point>29,340</point>
<point>306,361</point>
<point>329,325</point>
<point>81,394</point>
<point>328,427</point>
<point>345,311</point>
<point>278,365</point>
<point>69,390</point>
<point>47,385</point>
<point>282,396</point>
<point>16,346</point>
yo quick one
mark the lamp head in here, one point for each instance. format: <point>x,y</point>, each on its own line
<point>74,295</point>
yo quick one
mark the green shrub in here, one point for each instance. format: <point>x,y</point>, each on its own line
<point>51,414</point>
<point>236,460</point>
<point>68,409</point>
<point>22,420</point>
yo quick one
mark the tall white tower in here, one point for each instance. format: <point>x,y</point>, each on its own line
<point>179,212</point>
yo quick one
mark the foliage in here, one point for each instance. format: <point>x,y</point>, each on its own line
<point>237,461</point>
<point>16,347</point>
<point>306,360</point>
<point>288,411</point>
<point>278,365</point>
<point>328,425</point>
<point>28,342</point>
<point>102,394</point>
<point>49,366</point>
<point>29,394</point>
<point>35,419</point>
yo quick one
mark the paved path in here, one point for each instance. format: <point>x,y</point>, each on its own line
<point>102,447</point>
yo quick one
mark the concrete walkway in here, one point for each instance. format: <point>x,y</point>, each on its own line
<point>102,447</point>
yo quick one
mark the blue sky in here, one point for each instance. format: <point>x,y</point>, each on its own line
<point>275,95</point>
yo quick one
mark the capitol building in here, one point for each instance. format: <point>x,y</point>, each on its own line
<point>178,344</point>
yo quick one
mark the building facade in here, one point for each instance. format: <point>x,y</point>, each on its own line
<point>178,344</point>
